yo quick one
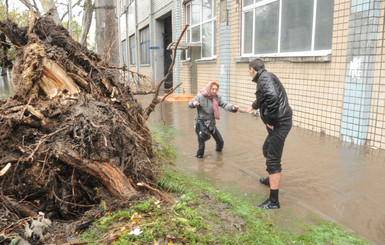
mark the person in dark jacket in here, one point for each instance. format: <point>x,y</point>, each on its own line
<point>276,113</point>
<point>207,102</point>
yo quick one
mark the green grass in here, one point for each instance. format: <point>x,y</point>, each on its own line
<point>161,134</point>
<point>202,214</point>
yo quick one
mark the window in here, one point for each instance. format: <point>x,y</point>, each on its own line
<point>124,51</point>
<point>200,15</point>
<point>123,26</point>
<point>287,27</point>
<point>132,44</point>
<point>145,46</point>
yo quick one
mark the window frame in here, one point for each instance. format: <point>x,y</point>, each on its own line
<point>144,45</point>
<point>261,3</point>
<point>133,56</point>
<point>213,20</point>
<point>124,51</point>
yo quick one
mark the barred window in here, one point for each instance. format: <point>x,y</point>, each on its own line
<point>287,27</point>
<point>201,15</point>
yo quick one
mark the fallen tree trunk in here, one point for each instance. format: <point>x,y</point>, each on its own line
<point>109,174</point>
<point>71,128</point>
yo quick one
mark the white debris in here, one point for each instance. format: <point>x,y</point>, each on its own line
<point>136,232</point>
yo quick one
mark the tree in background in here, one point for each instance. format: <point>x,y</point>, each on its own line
<point>86,20</point>
<point>51,7</point>
<point>107,31</point>
<point>7,51</point>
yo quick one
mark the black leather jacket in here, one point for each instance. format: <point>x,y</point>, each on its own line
<point>272,100</point>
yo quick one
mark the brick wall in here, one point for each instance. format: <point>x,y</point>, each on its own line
<point>376,134</point>
<point>324,93</point>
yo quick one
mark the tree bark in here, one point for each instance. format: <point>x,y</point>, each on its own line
<point>50,7</point>
<point>18,208</point>
<point>86,21</point>
<point>109,174</point>
<point>107,32</point>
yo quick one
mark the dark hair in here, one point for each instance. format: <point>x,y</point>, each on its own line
<point>257,64</point>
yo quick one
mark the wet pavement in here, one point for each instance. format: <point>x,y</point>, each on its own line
<point>321,176</point>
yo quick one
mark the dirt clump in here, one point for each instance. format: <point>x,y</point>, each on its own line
<point>71,132</point>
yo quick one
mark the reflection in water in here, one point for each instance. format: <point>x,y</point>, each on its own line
<point>342,183</point>
<point>6,89</point>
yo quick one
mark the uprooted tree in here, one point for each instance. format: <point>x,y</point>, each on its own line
<point>70,131</point>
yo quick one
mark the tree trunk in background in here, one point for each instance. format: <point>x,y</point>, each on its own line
<point>107,39</point>
<point>47,5</point>
<point>86,21</point>
<point>33,6</point>
<point>70,29</point>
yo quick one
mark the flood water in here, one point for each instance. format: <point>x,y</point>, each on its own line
<point>6,89</point>
<point>321,175</point>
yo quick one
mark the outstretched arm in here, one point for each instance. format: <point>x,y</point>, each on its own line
<point>227,106</point>
<point>194,102</point>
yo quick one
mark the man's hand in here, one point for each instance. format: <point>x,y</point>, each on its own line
<point>196,103</point>
<point>235,108</point>
<point>250,108</point>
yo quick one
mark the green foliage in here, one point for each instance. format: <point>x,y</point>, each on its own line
<point>328,232</point>
<point>161,134</point>
<point>19,17</point>
<point>168,185</point>
<point>76,29</point>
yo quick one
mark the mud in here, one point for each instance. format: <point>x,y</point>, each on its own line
<point>322,176</point>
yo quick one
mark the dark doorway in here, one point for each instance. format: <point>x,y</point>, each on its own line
<point>167,39</point>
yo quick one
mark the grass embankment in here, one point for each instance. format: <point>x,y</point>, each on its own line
<point>202,214</point>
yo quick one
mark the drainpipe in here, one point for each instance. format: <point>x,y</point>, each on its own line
<point>136,36</point>
<point>118,15</point>
<point>127,38</point>
<point>152,43</point>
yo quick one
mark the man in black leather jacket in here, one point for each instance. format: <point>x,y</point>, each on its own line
<point>275,112</point>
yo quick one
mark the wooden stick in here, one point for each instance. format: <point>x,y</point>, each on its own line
<point>155,190</point>
<point>5,169</point>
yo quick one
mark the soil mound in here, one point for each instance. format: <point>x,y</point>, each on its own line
<point>71,133</point>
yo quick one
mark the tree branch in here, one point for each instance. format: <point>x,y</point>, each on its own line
<point>155,99</point>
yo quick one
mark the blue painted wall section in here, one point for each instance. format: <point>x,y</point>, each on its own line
<point>224,56</point>
<point>361,52</point>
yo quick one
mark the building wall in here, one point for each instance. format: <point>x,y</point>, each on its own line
<point>185,78</point>
<point>160,4</point>
<point>317,89</point>
<point>342,95</point>
<point>143,10</point>
<point>314,88</point>
<point>376,135</point>
<point>208,72</point>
